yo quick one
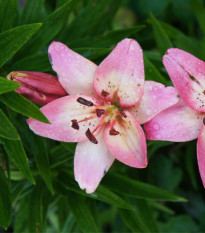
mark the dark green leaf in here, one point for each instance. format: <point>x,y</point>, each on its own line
<point>5,201</point>
<point>152,73</point>
<point>39,149</point>
<point>133,221</point>
<point>21,105</point>
<point>7,14</point>
<point>16,153</point>
<point>7,86</point>
<point>7,130</point>
<point>11,41</point>
<point>137,189</point>
<point>82,213</point>
<point>161,38</point>
<point>51,26</point>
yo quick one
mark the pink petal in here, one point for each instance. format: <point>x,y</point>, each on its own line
<point>192,92</point>
<point>201,154</point>
<point>75,72</point>
<point>179,123</point>
<point>190,63</point>
<point>129,146</point>
<point>156,97</point>
<point>60,113</point>
<point>91,162</point>
<point>122,72</point>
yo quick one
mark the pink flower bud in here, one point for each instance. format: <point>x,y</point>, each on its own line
<point>40,88</point>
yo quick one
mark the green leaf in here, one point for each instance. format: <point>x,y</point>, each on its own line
<point>32,12</point>
<point>133,221</point>
<point>7,85</point>
<point>152,73</point>
<point>16,153</point>
<point>137,189</point>
<point>38,205</point>
<point>7,130</point>
<point>82,213</point>
<point>38,62</point>
<point>107,40</point>
<point>11,41</point>
<point>145,213</point>
<point>5,201</point>
<point>21,105</point>
<point>39,148</point>
<point>7,14</point>
<point>51,26</point>
<point>66,182</point>
<point>161,38</point>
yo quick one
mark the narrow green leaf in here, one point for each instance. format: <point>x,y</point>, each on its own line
<point>51,26</point>
<point>133,221</point>
<point>32,12</point>
<point>39,149</point>
<point>37,62</point>
<point>152,73</point>
<point>5,201</point>
<point>7,130</point>
<point>66,182</point>
<point>107,40</point>
<point>137,189</point>
<point>162,40</point>
<point>145,213</point>
<point>7,85</point>
<point>38,205</point>
<point>16,153</point>
<point>7,14</point>
<point>11,41</point>
<point>82,213</point>
<point>21,105</point>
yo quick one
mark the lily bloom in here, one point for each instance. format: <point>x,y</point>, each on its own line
<point>185,120</point>
<point>104,110</point>
<point>38,87</point>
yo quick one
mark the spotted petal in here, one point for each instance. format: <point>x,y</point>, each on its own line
<point>91,162</point>
<point>129,146</point>
<point>122,72</point>
<point>60,113</point>
<point>191,91</point>
<point>75,72</point>
<point>156,97</point>
<point>178,123</point>
<point>201,154</point>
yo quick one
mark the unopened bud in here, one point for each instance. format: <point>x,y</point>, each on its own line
<point>38,87</point>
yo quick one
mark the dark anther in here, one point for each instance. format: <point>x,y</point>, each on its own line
<point>75,124</point>
<point>91,137</point>
<point>113,132</point>
<point>105,93</point>
<point>123,114</point>
<point>84,101</point>
<point>99,112</point>
<point>204,120</point>
<point>204,92</point>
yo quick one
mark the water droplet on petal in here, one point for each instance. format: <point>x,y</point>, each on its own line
<point>156,126</point>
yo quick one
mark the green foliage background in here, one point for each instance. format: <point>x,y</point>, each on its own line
<point>37,190</point>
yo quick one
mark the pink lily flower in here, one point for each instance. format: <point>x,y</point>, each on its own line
<point>185,120</point>
<point>104,110</point>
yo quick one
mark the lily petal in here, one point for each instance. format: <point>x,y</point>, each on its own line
<point>194,66</point>
<point>60,113</point>
<point>201,154</point>
<point>91,162</point>
<point>178,123</point>
<point>75,72</point>
<point>156,98</point>
<point>192,92</point>
<point>129,146</point>
<point>122,73</point>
